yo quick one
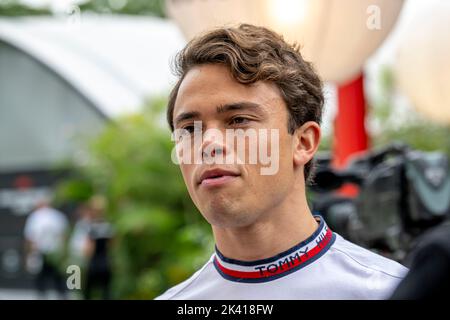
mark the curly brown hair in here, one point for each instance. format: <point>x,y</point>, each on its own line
<point>253,54</point>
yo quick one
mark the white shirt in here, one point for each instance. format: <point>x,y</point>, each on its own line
<point>324,266</point>
<point>46,227</point>
<point>79,238</point>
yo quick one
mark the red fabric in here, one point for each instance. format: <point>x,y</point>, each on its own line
<point>350,135</point>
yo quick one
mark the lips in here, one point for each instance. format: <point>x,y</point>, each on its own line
<point>217,177</point>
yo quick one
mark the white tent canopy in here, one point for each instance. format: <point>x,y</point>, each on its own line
<point>60,79</point>
<point>114,61</point>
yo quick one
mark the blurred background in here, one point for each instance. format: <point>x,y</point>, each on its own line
<point>86,177</point>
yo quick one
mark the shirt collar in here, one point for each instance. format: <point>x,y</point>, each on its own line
<point>280,265</point>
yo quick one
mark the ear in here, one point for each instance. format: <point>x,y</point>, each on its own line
<point>305,143</point>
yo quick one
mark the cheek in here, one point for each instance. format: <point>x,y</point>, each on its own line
<point>286,152</point>
<point>187,173</point>
<point>275,156</point>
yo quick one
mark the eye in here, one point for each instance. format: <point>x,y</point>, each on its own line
<point>184,132</point>
<point>189,128</point>
<point>239,120</point>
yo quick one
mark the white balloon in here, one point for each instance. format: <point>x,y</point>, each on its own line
<point>422,66</point>
<point>336,35</point>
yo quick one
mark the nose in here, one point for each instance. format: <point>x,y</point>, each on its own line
<point>214,145</point>
<point>213,152</point>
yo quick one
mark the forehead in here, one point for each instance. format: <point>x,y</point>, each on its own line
<point>207,86</point>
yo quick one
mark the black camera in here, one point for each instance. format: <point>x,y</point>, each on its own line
<point>401,193</point>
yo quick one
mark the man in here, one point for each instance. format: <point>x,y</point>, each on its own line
<point>268,244</point>
<point>45,235</point>
<point>97,251</point>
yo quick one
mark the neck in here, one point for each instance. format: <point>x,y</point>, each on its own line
<point>283,227</point>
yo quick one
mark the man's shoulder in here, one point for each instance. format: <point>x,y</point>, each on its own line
<point>367,259</point>
<point>363,273</point>
<point>173,292</point>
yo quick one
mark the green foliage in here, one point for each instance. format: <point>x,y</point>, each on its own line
<point>161,238</point>
<point>413,128</point>
<point>76,189</point>
<point>15,8</point>
<point>134,7</point>
<point>422,136</point>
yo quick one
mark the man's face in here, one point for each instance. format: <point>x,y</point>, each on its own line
<point>234,194</point>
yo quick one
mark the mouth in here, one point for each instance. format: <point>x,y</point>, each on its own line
<point>217,177</point>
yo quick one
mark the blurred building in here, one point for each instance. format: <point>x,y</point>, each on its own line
<point>61,80</point>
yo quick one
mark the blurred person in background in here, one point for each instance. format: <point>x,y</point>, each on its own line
<point>96,251</point>
<point>45,237</point>
<point>80,236</point>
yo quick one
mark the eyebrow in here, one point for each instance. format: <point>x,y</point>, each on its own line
<point>186,116</point>
<point>238,106</point>
<point>245,105</point>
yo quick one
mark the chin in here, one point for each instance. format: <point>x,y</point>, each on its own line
<point>227,216</point>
